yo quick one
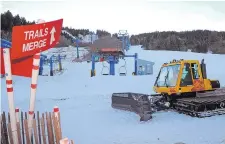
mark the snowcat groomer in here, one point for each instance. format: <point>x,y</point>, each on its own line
<point>181,85</point>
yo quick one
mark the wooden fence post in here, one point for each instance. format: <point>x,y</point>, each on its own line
<point>57,116</point>
<point>39,129</point>
<point>4,126</point>
<point>2,131</point>
<point>35,131</point>
<point>10,133</point>
<point>64,141</point>
<point>51,127</point>
<point>43,128</point>
<point>56,129</point>
<point>50,123</point>
<point>18,125</point>
<point>26,131</point>
<point>22,125</point>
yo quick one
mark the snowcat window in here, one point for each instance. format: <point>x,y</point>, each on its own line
<point>194,68</point>
<point>161,78</point>
<point>186,78</point>
<point>168,76</point>
<point>173,75</point>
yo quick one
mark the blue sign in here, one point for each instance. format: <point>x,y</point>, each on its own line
<point>77,41</point>
<point>5,44</point>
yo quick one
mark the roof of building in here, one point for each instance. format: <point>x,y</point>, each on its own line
<point>105,43</point>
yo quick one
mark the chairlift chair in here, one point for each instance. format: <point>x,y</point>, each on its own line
<point>104,67</point>
<point>124,73</point>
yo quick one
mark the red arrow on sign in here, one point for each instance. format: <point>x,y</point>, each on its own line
<point>31,39</point>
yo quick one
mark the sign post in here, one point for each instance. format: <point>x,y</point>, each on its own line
<point>31,40</point>
<point>8,75</point>
<point>35,72</point>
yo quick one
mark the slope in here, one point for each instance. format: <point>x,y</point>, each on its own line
<point>85,103</point>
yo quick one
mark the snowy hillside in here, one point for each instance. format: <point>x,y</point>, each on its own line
<point>85,103</point>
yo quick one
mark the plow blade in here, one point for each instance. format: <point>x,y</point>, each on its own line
<point>134,102</point>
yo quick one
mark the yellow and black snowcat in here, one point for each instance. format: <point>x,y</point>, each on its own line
<point>181,85</point>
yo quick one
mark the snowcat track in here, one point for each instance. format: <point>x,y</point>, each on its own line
<point>203,105</point>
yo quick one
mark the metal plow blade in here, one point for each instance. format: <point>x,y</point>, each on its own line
<point>134,102</point>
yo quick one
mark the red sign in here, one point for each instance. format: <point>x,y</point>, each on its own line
<point>31,39</point>
<point>19,67</point>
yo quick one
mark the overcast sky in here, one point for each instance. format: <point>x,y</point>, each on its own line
<point>136,16</point>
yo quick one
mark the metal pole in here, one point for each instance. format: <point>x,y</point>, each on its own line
<point>93,65</point>
<point>77,52</point>
<point>60,62</point>
<point>91,38</point>
<point>113,65</point>
<point>51,66</point>
<point>135,64</point>
<point>41,65</point>
<point>77,48</point>
<point>123,43</point>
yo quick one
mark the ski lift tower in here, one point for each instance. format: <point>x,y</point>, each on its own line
<point>123,35</point>
<point>77,42</point>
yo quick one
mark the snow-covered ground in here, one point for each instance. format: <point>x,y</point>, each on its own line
<point>69,53</point>
<point>86,113</point>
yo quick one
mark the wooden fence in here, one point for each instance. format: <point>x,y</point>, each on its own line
<point>46,129</point>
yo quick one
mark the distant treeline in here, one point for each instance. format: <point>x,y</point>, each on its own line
<point>76,32</point>
<point>197,40</point>
<point>8,21</point>
<point>200,41</point>
<point>102,33</point>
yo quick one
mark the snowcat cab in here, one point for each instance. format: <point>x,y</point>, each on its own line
<point>183,78</point>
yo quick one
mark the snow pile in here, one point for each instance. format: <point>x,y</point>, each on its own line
<point>85,103</point>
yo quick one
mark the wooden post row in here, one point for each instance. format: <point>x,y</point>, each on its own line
<point>49,122</point>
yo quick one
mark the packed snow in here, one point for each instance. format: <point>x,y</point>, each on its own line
<point>85,102</point>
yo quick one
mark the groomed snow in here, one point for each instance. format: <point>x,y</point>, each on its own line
<point>85,103</point>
